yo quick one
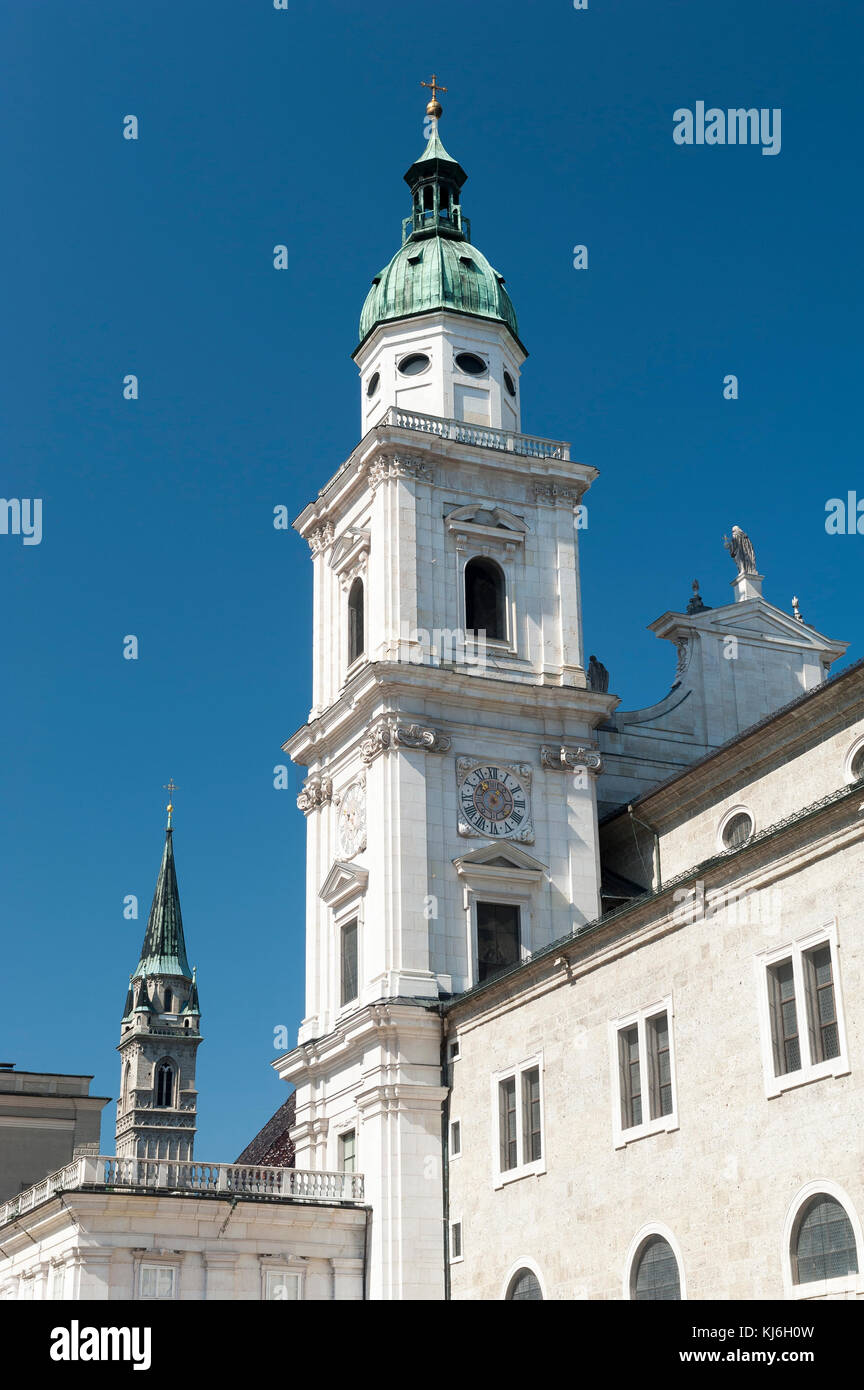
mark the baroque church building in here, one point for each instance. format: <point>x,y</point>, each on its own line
<point>584,986</point>
<point>575,975</point>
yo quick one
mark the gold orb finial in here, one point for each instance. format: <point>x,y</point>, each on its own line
<point>434,107</point>
<point>170,788</point>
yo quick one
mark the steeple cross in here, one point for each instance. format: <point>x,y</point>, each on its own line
<point>436,87</point>
<point>170,788</point>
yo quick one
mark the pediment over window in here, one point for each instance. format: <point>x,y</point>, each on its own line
<point>501,861</point>
<point>343,881</point>
<point>491,522</point>
<point>349,552</point>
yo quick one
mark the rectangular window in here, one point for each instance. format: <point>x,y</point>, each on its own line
<point>660,1060</point>
<point>158,1281</point>
<point>349,962</point>
<point>803,1021</point>
<point>821,1005</point>
<point>519,1139</point>
<point>631,1081</point>
<point>280,1285</point>
<point>784,1018</point>
<point>507,1123</point>
<point>531,1134</point>
<point>455,1139</point>
<point>348,1151</point>
<point>498,938</point>
<point>58,1281</point>
<point>455,1240</point>
<point>644,1074</point>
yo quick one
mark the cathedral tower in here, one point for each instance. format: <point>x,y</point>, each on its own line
<point>451,749</point>
<point>160,1034</point>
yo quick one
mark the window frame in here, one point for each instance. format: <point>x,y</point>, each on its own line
<point>341,1136</point>
<point>855,748</point>
<point>352,661</point>
<point>523,1168</point>
<point>651,1231</point>
<point>163,1264</point>
<point>282,1265</point>
<point>507,643</point>
<point>845,1284</point>
<point>454,1225</point>
<point>454,1123</point>
<point>809,1071</point>
<point>640,1019</point>
<point>739,810</point>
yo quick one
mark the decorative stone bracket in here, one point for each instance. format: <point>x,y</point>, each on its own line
<point>559,758</point>
<point>317,791</point>
<point>391,734</point>
<point>393,466</point>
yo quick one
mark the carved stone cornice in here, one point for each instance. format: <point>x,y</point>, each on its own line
<point>421,736</point>
<point>317,791</point>
<point>559,758</point>
<point>321,537</point>
<point>554,492</point>
<point>391,467</point>
<point>389,733</point>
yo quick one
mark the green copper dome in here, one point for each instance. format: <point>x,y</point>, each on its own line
<point>437,267</point>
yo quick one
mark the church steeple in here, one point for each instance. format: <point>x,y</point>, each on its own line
<point>160,1032</point>
<point>164,948</point>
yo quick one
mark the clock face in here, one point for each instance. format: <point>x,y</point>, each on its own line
<point>493,801</point>
<point>352,821</point>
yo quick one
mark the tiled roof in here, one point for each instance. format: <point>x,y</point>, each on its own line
<point>271,1146</point>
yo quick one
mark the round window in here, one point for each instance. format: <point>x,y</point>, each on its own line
<point>472,364</point>
<point>414,365</point>
<point>509,383</point>
<point>372,384</point>
<point>737,830</point>
<point>857,768</point>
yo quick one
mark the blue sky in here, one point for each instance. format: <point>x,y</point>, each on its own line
<point>154,257</point>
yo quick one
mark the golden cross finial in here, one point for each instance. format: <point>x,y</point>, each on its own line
<point>170,788</point>
<point>434,106</point>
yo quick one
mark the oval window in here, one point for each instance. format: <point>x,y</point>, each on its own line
<point>737,830</point>
<point>509,383</point>
<point>414,365</point>
<point>372,384</point>
<point>469,362</point>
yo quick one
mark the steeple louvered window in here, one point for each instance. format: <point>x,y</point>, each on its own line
<point>165,1078</point>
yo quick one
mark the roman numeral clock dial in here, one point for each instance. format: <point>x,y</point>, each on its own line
<point>494,800</point>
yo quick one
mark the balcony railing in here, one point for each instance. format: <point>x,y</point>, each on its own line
<point>170,1175</point>
<point>506,441</point>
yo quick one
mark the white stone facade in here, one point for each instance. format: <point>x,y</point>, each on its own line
<point>84,1242</point>
<point>725,1175</point>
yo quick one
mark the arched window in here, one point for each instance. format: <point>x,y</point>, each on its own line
<point>823,1244</point>
<point>484,599</point>
<point>526,1286</point>
<point>164,1086</point>
<point>127,1071</point>
<point>655,1273</point>
<point>356,635</point>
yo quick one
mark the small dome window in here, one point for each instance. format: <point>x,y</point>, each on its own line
<point>737,830</point>
<point>414,365</point>
<point>509,383</point>
<point>472,364</point>
<point>373,383</point>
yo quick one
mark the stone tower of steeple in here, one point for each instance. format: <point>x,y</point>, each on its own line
<point>159,1034</point>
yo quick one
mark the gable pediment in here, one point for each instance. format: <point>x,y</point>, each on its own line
<point>499,860</point>
<point>487,522</point>
<point>343,881</point>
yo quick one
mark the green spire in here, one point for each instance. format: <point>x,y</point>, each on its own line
<point>191,1006</point>
<point>144,1006</point>
<point>127,1010</point>
<point>164,949</point>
